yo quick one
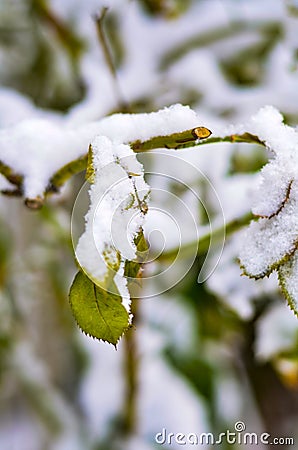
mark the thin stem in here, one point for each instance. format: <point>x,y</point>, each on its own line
<point>99,20</point>
<point>173,141</point>
<point>66,172</point>
<point>10,175</point>
<point>71,42</point>
<point>215,35</point>
<point>131,367</point>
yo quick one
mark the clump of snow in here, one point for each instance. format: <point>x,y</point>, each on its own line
<point>269,188</point>
<point>37,148</point>
<point>115,215</point>
<point>130,127</point>
<point>270,242</point>
<point>268,125</point>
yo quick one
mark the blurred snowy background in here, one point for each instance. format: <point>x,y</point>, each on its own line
<point>203,356</point>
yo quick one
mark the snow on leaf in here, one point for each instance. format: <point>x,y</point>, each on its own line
<point>288,280</point>
<point>269,242</point>
<point>98,312</point>
<point>272,240</point>
<point>268,125</point>
<point>273,191</point>
<point>113,220</point>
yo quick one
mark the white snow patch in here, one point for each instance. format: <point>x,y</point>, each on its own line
<point>115,216</point>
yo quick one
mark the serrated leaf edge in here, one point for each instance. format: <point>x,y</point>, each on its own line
<point>291,302</point>
<point>272,268</point>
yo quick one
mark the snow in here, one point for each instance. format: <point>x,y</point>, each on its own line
<point>16,107</point>
<point>270,189</point>
<point>124,128</point>
<point>37,148</point>
<point>270,240</point>
<point>115,217</point>
<point>268,125</point>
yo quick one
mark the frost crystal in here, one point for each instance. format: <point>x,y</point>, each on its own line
<point>271,242</point>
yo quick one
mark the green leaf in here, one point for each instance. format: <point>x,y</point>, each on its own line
<point>98,313</point>
<point>287,277</point>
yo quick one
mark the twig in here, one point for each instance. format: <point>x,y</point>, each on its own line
<point>10,175</point>
<point>131,368</point>
<point>99,20</point>
<point>173,141</point>
<point>71,42</point>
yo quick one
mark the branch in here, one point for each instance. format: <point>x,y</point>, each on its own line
<point>68,38</point>
<point>174,141</point>
<point>10,175</point>
<point>131,369</point>
<point>186,139</point>
<point>66,172</point>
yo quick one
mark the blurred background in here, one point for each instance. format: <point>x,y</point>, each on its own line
<point>202,356</point>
